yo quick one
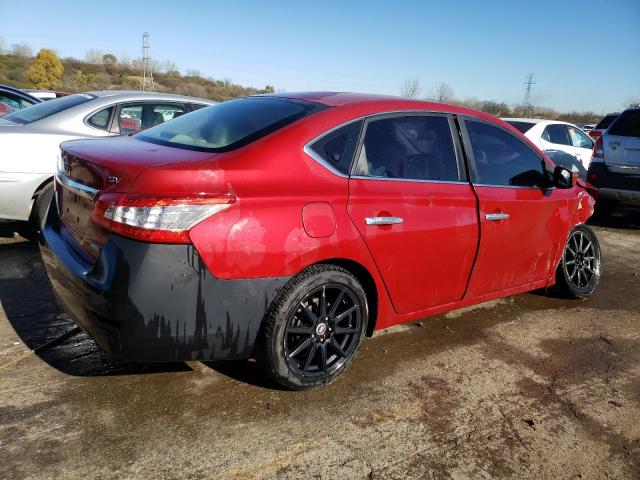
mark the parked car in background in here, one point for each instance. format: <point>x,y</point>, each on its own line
<point>602,125</point>
<point>30,138</point>
<point>46,94</point>
<point>556,135</point>
<point>586,127</point>
<point>288,227</point>
<point>12,99</point>
<point>615,168</point>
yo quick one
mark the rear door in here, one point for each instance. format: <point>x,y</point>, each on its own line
<point>622,140</point>
<point>522,223</point>
<point>410,200</point>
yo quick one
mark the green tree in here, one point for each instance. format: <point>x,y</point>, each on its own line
<point>110,61</point>
<point>46,71</point>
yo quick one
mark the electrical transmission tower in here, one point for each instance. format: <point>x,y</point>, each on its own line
<point>147,71</point>
<point>526,101</point>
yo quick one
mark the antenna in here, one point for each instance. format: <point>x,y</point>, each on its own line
<point>526,101</point>
<point>147,71</point>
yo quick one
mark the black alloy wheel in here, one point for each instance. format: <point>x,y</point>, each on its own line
<point>313,328</point>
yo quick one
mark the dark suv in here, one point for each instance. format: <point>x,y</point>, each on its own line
<point>615,165</point>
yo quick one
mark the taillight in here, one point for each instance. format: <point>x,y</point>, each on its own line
<point>160,219</point>
<point>598,148</point>
<point>594,133</point>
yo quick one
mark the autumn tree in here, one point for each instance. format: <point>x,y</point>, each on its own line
<point>46,71</point>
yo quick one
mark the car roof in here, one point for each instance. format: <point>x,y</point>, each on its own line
<point>381,103</point>
<point>137,94</point>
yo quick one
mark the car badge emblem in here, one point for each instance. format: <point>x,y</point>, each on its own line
<point>113,179</point>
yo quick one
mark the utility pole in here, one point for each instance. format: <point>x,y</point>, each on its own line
<point>147,71</point>
<point>526,101</point>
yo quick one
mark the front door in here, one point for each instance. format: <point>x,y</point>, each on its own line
<point>523,223</point>
<point>411,202</point>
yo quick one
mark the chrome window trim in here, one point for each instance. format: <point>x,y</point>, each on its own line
<point>308,150</point>
<point>412,180</point>
<point>79,188</point>
<point>513,186</point>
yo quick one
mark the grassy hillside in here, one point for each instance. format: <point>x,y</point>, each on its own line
<point>82,76</point>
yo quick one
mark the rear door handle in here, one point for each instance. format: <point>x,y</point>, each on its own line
<point>383,220</point>
<point>494,217</point>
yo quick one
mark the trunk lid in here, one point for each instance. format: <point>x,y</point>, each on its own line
<point>90,168</point>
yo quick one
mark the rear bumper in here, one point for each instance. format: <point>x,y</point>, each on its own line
<point>155,302</point>
<point>16,193</point>
<point>620,183</point>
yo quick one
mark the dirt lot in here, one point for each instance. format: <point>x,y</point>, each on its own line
<point>526,387</point>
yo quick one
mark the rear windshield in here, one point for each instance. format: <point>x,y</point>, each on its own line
<point>46,109</point>
<point>524,127</point>
<point>627,124</point>
<point>229,125</point>
<point>606,121</point>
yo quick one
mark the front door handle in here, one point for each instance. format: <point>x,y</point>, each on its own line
<point>383,220</point>
<point>494,217</point>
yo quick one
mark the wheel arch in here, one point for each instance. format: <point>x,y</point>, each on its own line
<point>41,187</point>
<point>368,283</point>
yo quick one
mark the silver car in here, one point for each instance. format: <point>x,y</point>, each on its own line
<point>30,138</point>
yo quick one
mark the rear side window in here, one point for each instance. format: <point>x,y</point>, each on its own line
<point>230,125</point>
<point>409,147</point>
<point>101,119</point>
<point>46,109</point>
<point>501,159</point>
<point>336,148</point>
<point>606,121</point>
<point>524,127</point>
<point>627,124</point>
<point>556,134</point>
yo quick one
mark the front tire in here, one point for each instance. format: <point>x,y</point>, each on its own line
<point>580,268</point>
<point>314,328</point>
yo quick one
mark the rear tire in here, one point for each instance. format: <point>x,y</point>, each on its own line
<point>580,268</point>
<point>313,328</point>
<point>30,229</point>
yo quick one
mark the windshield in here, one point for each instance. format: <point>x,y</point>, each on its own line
<point>46,109</point>
<point>229,125</point>
<point>524,127</point>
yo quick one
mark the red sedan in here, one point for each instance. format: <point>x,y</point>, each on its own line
<point>288,227</point>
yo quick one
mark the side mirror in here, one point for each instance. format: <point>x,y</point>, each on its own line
<point>563,178</point>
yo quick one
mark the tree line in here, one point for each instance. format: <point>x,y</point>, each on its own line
<point>443,93</point>
<point>104,71</point>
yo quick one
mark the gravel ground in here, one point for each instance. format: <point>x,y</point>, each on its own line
<point>526,387</point>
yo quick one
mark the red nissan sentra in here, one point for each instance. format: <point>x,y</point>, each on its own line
<point>287,227</point>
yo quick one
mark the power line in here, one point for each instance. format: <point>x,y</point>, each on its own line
<point>526,101</point>
<point>147,71</point>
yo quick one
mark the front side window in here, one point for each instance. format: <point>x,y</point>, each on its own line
<point>503,160</point>
<point>45,109</point>
<point>337,148</point>
<point>557,134</point>
<point>579,139</point>
<point>229,125</point>
<point>409,147</point>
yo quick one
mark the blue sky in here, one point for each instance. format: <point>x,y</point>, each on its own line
<point>585,54</point>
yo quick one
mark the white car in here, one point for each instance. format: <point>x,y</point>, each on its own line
<point>30,138</point>
<point>557,136</point>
